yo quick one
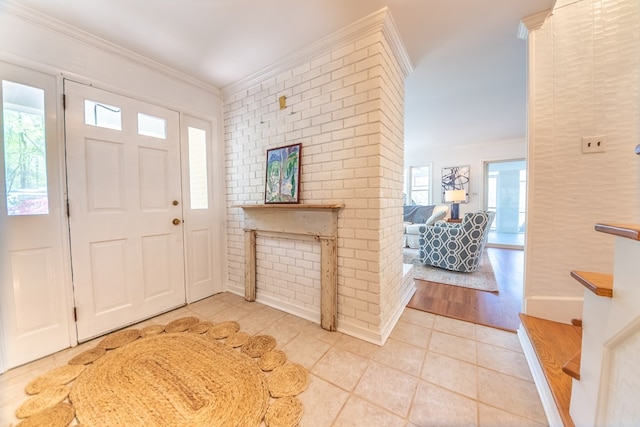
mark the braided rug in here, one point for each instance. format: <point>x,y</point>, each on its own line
<point>184,374</point>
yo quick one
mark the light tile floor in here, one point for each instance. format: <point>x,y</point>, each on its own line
<point>432,371</point>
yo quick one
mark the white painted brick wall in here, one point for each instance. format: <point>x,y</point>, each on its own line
<point>391,163</point>
<point>289,270</point>
<point>346,108</point>
<point>586,83</point>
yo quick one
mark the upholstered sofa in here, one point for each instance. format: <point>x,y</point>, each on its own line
<point>456,246</point>
<point>415,216</point>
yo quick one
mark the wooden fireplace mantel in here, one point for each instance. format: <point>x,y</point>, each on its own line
<point>319,222</point>
<point>295,206</point>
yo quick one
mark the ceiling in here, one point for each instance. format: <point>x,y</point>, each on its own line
<point>468,83</point>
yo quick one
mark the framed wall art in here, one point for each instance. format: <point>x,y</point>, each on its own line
<point>282,183</point>
<point>456,178</point>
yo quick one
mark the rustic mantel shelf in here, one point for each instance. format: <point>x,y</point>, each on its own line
<point>319,222</point>
<point>290,206</point>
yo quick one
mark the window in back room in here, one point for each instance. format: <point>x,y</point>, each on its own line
<point>418,185</point>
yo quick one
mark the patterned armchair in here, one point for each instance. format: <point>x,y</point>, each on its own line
<point>456,247</point>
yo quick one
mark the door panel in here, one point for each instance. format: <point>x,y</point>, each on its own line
<point>127,254</point>
<point>154,188</point>
<point>202,223</point>
<point>105,175</point>
<point>156,261</point>
<point>34,308</point>
<point>109,275</point>
<point>202,244</point>
<point>33,272</point>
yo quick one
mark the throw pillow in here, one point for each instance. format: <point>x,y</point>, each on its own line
<point>435,216</point>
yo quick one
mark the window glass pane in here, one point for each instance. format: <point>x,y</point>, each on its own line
<point>420,197</point>
<point>152,126</point>
<point>102,115</point>
<point>198,168</point>
<point>420,185</point>
<point>506,196</point>
<point>25,156</point>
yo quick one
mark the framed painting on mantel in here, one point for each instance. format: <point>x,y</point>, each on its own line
<point>283,174</point>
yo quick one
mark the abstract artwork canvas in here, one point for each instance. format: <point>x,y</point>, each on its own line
<point>283,174</point>
<point>456,178</point>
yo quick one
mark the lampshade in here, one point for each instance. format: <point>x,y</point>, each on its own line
<point>455,195</point>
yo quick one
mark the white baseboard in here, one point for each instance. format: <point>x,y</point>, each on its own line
<point>237,290</point>
<point>371,336</point>
<point>558,309</point>
<point>344,326</point>
<point>549,405</point>
<point>359,332</point>
<point>386,330</point>
<point>302,312</point>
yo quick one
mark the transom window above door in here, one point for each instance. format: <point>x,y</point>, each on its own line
<point>108,116</point>
<point>102,115</point>
<point>153,126</point>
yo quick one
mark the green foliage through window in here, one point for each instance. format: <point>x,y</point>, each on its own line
<point>25,160</point>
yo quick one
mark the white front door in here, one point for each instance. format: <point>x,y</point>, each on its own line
<point>125,208</point>
<point>34,278</point>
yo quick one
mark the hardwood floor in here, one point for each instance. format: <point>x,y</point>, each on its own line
<point>496,309</point>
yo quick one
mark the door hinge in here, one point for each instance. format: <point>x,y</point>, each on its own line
<point>75,314</point>
<point>64,101</point>
<point>68,213</point>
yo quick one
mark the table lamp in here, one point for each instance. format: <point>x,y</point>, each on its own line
<point>455,197</point>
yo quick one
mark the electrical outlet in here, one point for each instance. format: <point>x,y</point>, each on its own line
<point>593,144</point>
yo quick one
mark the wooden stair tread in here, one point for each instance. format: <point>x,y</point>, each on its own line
<point>599,283</point>
<point>572,366</point>
<point>577,326</point>
<point>628,231</point>
<point>554,344</point>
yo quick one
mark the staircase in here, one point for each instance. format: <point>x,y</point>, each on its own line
<point>554,344</point>
<point>592,375</point>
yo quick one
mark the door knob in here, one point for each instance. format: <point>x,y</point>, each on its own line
<point>176,221</point>
<point>175,203</point>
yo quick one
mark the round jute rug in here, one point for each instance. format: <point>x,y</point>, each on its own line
<point>171,379</point>
<point>195,376</point>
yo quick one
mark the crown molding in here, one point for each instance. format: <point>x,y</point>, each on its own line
<point>371,24</point>
<point>13,7</point>
<point>532,22</point>
<point>390,30</point>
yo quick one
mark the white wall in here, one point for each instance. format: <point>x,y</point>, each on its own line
<point>474,156</point>
<point>584,81</point>
<point>32,41</point>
